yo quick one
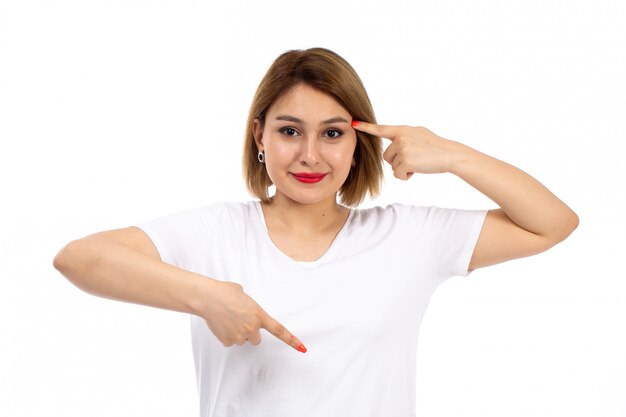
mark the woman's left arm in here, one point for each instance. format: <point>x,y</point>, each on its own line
<point>530,219</point>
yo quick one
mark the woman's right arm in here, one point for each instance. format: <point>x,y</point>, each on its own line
<point>125,265</point>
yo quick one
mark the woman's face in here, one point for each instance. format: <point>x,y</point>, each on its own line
<point>307,132</point>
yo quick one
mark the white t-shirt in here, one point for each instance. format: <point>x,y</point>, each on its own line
<point>357,309</point>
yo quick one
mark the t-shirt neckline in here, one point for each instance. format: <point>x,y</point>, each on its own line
<point>325,255</point>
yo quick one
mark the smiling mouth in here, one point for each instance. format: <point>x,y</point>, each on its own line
<point>309,177</point>
<point>309,174</point>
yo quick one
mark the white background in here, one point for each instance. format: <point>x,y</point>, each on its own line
<point>117,112</point>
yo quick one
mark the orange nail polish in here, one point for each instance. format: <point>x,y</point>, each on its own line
<point>301,348</point>
<point>355,123</point>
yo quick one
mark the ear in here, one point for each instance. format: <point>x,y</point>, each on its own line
<point>257,132</point>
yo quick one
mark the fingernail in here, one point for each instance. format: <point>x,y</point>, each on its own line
<point>301,348</point>
<point>355,123</point>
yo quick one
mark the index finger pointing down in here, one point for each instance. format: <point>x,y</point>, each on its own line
<point>279,331</point>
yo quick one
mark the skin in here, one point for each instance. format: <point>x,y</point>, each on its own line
<point>305,130</point>
<point>307,145</point>
<point>124,265</point>
<point>530,219</point>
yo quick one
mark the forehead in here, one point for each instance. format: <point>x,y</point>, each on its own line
<point>306,101</point>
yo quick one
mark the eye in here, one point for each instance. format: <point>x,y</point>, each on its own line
<point>334,133</point>
<point>289,131</point>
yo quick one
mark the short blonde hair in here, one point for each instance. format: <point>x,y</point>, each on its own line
<point>327,72</point>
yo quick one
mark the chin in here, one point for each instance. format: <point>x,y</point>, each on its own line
<point>309,199</point>
<point>312,197</point>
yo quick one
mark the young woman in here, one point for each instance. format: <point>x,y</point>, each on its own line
<point>353,284</point>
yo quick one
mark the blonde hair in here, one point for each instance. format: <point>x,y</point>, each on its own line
<point>328,72</point>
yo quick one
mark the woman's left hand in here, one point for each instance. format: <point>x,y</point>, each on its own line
<point>413,149</point>
<point>530,219</point>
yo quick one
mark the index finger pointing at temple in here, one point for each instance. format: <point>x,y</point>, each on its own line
<point>384,131</point>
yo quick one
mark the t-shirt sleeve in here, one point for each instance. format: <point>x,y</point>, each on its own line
<point>179,236</point>
<point>449,235</point>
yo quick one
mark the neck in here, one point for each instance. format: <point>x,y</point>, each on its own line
<point>305,218</point>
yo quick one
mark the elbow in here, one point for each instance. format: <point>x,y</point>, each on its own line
<point>569,222</point>
<point>575,221</point>
<point>65,258</point>
<point>60,261</point>
<point>73,262</point>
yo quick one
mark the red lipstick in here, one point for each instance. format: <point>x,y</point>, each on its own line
<point>309,177</point>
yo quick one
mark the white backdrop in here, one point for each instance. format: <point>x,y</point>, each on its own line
<point>116,112</point>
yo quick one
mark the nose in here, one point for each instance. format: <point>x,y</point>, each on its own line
<point>311,150</point>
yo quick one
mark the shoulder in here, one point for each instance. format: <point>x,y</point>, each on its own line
<point>391,216</point>
<point>221,209</point>
<point>208,215</point>
<point>233,210</point>
<point>393,210</point>
<point>416,215</point>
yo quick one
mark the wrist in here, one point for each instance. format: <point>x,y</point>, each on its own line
<point>200,293</point>
<point>459,155</point>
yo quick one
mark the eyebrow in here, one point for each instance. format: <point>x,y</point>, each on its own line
<point>325,122</point>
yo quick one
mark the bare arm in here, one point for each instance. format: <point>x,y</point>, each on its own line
<point>124,265</point>
<point>530,219</point>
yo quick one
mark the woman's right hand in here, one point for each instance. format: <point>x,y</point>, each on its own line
<point>234,317</point>
<point>124,265</point>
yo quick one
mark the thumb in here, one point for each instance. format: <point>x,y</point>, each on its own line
<point>278,330</point>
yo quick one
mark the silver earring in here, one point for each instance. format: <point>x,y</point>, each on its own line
<point>353,162</point>
<point>261,157</point>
